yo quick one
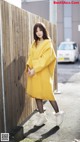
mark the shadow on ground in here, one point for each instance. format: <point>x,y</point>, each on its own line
<point>17,135</point>
<point>48,134</point>
<point>45,135</point>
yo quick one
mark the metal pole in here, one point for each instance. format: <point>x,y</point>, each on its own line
<point>2,73</point>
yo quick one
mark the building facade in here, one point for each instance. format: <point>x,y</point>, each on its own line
<point>67,17</point>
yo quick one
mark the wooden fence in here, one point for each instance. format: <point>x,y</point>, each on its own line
<point>16,36</point>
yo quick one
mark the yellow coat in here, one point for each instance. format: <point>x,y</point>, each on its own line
<point>42,58</point>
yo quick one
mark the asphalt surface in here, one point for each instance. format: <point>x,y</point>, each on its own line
<point>66,70</point>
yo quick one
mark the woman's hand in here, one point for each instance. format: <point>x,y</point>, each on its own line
<point>31,72</point>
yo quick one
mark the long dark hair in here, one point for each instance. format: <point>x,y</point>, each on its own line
<point>42,28</point>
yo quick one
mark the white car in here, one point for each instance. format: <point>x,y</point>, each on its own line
<point>67,52</point>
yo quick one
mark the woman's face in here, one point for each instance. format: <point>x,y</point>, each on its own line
<point>39,33</point>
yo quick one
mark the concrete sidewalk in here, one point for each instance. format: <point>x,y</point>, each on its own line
<point>69,101</point>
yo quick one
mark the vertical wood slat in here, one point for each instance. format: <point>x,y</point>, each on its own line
<point>17,37</point>
<point>1,104</point>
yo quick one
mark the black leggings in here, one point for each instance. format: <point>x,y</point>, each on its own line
<point>39,103</point>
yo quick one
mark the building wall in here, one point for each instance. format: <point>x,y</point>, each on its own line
<point>60,23</point>
<point>68,18</point>
<point>75,23</point>
<point>40,8</point>
<point>67,21</point>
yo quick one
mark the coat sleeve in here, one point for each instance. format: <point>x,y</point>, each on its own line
<point>30,53</point>
<point>29,61</point>
<point>45,60</point>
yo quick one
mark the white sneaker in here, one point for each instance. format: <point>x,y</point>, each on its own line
<point>42,120</point>
<point>59,117</point>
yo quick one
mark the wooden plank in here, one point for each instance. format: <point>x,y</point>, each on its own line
<point>1,104</point>
<point>7,72</point>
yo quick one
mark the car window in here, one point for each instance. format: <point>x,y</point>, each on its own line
<point>65,47</point>
<point>74,45</point>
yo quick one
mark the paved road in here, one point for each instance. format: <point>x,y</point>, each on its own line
<point>67,70</point>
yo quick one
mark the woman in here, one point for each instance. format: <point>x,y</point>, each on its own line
<point>40,68</point>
